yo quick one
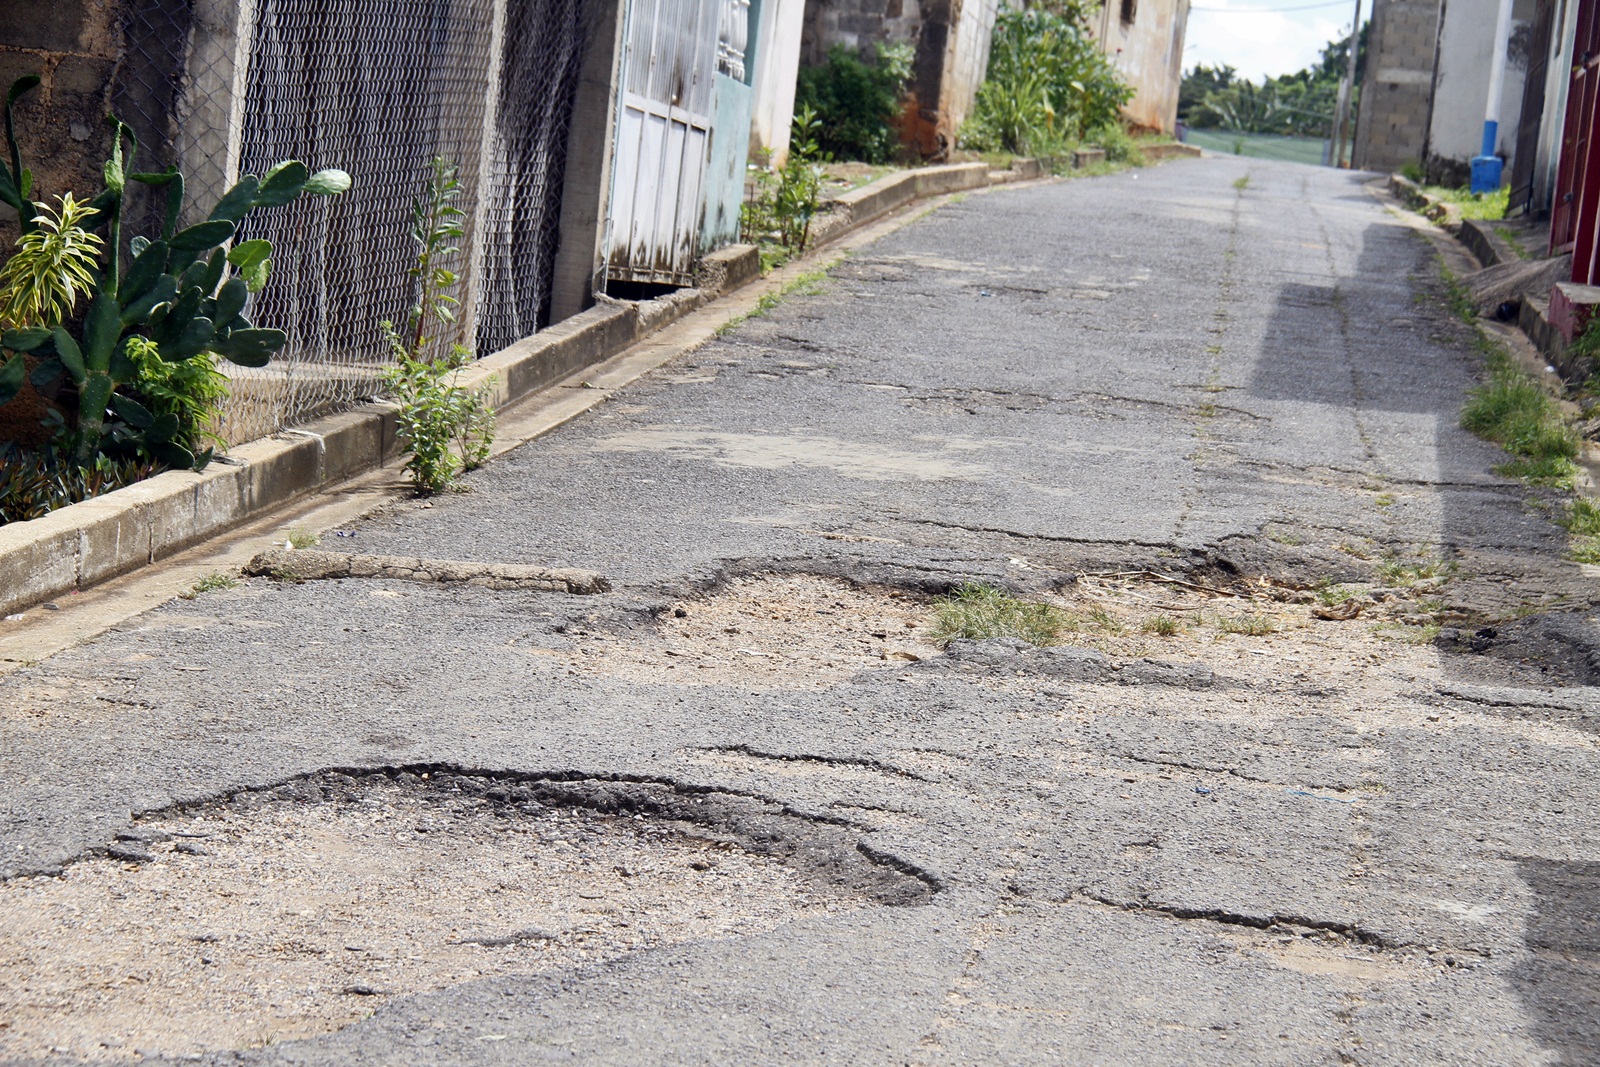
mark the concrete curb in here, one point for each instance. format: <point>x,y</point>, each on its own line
<point>81,545</point>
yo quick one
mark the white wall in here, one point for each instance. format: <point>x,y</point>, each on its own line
<point>1461,80</point>
<point>777,67</point>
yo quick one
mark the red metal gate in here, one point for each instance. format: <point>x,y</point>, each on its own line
<point>1576,210</point>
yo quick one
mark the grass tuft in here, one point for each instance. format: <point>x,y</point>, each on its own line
<point>1160,625</point>
<point>300,537</point>
<point>211,583</point>
<point>1253,625</point>
<point>1583,523</point>
<point>1514,411</point>
<point>979,612</point>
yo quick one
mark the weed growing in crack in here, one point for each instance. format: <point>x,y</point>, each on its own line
<point>1583,524</point>
<point>1242,183</point>
<point>1292,540</point>
<point>1251,625</point>
<point>1333,595</point>
<point>979,612</point>
<point>1456,297</point>
<point>1160,626</point>
<point>300,537</point>
<point>1403,575</point>
<point>211,583</point>
<point>1355,550</point>
<point>1104,621</point>
<point>811,283</point>
<point>1384,500</point>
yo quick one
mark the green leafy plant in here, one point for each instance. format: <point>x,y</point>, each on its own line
<point>191,391</point>
<point>785,204</point>
<point>184,292</point>
<point>860,100</point>
<point>215,582</point>
<point>34,484</point>
<point>1513,410</point>
<point>55,263</point>
<point>447,427</point>
<point>1048,85</point>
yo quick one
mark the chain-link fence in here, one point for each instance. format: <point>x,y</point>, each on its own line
<point>378,88</point>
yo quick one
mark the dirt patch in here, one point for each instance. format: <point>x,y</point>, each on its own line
<point>770,631</point>
<point>786,631</point>
<point>295,911</point>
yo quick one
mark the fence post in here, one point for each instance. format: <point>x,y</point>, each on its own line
<point>210,119</point>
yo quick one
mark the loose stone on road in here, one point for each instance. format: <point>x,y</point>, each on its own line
<point>1309,781</point>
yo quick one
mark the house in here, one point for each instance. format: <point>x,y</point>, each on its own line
<point>1144,41</point>
<point>1425,94</point>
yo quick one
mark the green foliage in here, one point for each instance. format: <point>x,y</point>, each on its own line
<point>1473,205</point>
<point>178,297</point>
<point>1514,411</point>
<point>1412,172</point>
<point>982,611</point>
<point>1299,104</point>
<point>190,391</point>
<point>448,428</point>
<point>1048,85</point>
<point>34,484</point>
<point>859,101</point>
<point>1249,625</point>
<point>1583,523</point>
<point>786,202</point>
<point>1119,144</point>
<point>215,582</point>
<point>55,263</point>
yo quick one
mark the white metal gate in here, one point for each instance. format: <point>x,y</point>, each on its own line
<point>663,140</point>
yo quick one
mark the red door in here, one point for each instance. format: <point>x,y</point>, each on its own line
<point>1576,209</point>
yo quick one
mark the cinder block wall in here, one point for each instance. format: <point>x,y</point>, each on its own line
<point>1397,93</point>
<point>73,45</point>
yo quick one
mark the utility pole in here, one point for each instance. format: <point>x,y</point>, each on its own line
<point>1347,91</point>
<point>1486,166</point>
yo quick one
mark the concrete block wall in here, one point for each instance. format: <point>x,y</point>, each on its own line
<point>1397,93</point>
<point>73,45</point>
<point>858,25</point>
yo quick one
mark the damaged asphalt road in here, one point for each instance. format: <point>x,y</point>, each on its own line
<point>1267,838</point>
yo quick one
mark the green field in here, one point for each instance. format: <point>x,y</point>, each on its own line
<point>1259,145</point>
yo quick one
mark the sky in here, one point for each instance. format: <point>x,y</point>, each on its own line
<point>1262,38</point>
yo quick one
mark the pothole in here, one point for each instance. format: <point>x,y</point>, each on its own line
<point>775,631</point>
<point>294,911</point>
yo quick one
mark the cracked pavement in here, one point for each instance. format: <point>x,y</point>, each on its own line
<point>1319,845</point>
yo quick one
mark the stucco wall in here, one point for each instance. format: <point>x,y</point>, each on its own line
<point>1149,53</point>
<point>1461,87</point>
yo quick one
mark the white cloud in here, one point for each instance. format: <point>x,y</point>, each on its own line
<point>1259,43</point>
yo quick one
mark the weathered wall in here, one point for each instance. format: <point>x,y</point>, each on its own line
<point>1392,123</point>
<point>73,45</point>
<point>1461,86</point>
<point>778,45</point>
<point>951,42</point>
<point>858,25</point>
<point>1148,50</point>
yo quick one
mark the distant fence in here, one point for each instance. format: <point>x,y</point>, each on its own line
<point>377,88</point>
<point>1261,145</point>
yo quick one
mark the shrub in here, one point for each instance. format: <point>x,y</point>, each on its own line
<point>857,101</point>
<point>1048,85</point>
<point>447,427</point>
<point>34,484</point>
<point>786,202</point>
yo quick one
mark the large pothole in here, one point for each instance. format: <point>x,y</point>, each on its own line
<point>294,911</point>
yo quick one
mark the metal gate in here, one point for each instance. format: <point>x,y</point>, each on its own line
<point>730,137</point>
<point>664,122</point>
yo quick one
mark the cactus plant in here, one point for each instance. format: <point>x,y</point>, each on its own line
<point>185,292</point>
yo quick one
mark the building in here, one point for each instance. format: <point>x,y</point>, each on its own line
<point>1144,40</point>
<point>1425,94</point>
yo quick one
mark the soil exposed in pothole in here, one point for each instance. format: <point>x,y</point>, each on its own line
<point>295,911</point>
